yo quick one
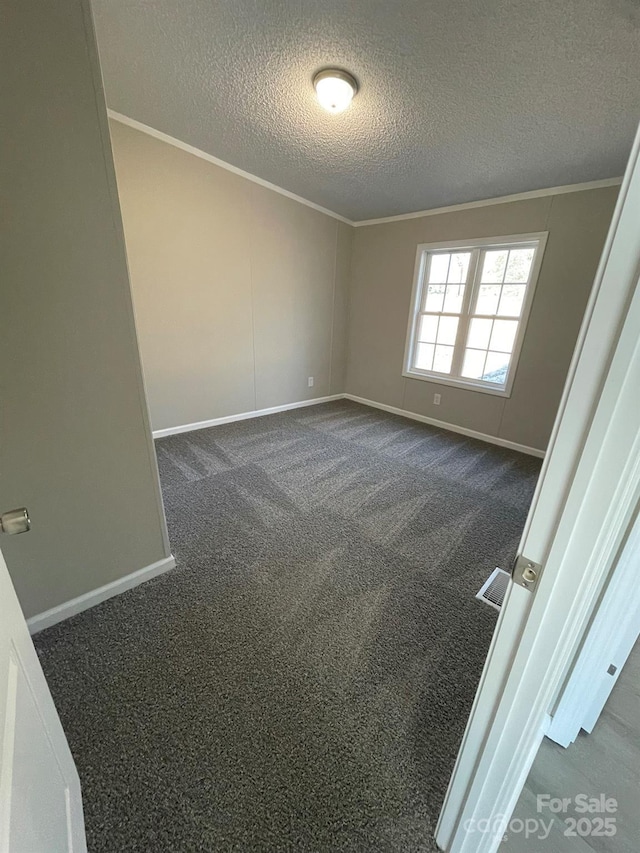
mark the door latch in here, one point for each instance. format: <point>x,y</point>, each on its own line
<point>15,521</point>
<point>525,572</point>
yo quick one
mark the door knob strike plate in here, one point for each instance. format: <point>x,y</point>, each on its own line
<point>526,573</point>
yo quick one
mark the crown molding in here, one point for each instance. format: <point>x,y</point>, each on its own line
<point>505,199</point>
<point>198,152</point>
<point>434,211</point>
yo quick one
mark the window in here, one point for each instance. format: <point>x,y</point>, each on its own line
<point>469,311</point>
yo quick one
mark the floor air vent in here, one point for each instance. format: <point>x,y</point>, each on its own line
<point>494,588</point>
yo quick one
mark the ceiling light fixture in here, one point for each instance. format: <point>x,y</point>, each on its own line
<point>335,89</point>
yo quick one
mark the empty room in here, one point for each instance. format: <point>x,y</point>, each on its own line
<point>320,329</point>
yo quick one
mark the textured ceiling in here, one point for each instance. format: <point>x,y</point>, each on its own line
<point>459,100</point>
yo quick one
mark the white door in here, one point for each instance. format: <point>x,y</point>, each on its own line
<point>612,635</point>
<point>581,515</point>
<point>40,800</point>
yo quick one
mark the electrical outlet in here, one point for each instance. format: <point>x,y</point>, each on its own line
<point>436,399</point>
<point>310,381</point>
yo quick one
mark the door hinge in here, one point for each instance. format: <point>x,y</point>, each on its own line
<point>525,572</point>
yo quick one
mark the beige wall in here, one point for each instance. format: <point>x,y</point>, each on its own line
<point>240,292</point>
<point>381,281</point>
<point>75,446</point>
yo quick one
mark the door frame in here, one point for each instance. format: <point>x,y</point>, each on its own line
<point>580,517</point>
<point>612,635</point>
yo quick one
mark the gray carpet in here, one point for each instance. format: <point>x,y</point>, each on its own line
<point>302,680</point>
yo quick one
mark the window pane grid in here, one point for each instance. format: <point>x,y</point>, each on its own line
<point>454,314</point>
<point>470,304</point>
<point>495,317</point>
<point>437,320</point>
<point>436,341</point>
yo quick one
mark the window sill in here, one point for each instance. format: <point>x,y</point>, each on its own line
<point>468,385</point>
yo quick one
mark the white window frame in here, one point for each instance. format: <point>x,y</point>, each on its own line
<point>475,247</point>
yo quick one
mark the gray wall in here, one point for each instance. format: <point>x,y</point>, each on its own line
<point>75,446</point>
<point>240,293</point>
<point>381,281</point>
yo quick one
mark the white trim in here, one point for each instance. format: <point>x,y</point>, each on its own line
<point>477,838</point>
<point>601,505</point>
<point>434,211</point>
<point>538,240</point>
<point>505,199</point>
<point>472,433</point>
<point>198,152</point>
<point>244,416</point>
<point>455,382</point>
<point>499,241</point>
<point>97,596</point>
<point>611,637</point>
<point>582,509</point>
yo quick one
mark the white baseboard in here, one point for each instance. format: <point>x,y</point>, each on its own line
<point>472,433</point>
<point>258,413</point>
<point>244,416</point>
<point>96,596</point>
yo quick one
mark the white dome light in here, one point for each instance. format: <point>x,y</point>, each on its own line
<point>335,89</point>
